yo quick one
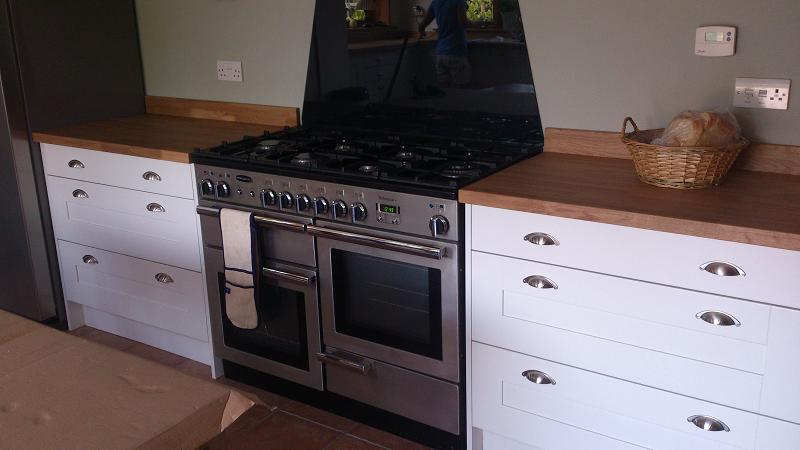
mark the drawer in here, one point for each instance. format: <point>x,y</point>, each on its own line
<point>505,402</point>
<point>119,220</point>
<point>550,435</point>
<point>143,291</point>
<point>631,330</point>
<point>647,315</point>
<point>666,258</point>
<point>132,172</point>
<point>780,396</point>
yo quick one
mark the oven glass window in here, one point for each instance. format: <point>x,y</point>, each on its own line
<point>281,334</point>
<point>388,302</point>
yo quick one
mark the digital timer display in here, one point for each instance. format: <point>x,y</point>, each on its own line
<point>388,209</point>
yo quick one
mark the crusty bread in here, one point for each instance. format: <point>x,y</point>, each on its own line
<point>719,131</point>
<point>705,129</point>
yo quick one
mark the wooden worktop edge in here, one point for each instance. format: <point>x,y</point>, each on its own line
<point>745,235</point>
<point>110,147</point>
<point>759,157</point>
<point>279,116</point>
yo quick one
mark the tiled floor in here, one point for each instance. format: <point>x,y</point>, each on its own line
<point>282,423</point>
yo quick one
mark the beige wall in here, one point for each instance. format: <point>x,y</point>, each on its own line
<point>182,40</point>
<point>594,62</point>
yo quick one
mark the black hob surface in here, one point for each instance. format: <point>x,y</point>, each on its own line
<point>427,151</point>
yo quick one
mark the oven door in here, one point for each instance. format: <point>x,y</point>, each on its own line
<point>287,339</point>
<point>394,299</point>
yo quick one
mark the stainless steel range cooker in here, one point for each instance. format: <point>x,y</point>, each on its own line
<point>358,247</point>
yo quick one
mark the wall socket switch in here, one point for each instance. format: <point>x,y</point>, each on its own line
<point>229,71</point>
<point>762,93</point>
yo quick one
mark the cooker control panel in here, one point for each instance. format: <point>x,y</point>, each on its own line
<point>407,213</point>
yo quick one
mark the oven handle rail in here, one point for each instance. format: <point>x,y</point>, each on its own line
<point>377,242</point>
<point>336,360</point>
<point>287,276</point>
<point>259,220</point>
<point>347,236</point>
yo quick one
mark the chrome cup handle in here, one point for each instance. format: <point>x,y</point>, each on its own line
<point>89,259</point>
<point>540,282</point>
<point>80,193</point>
<point>75,164</point>
<point>538,377</point>
<point>722,269</point>
<point>151,176</point>
<point>541,239</point>
<point>708,423</point>
<point>155,207</point>
<point>164,278</point>
<point>718,318</point>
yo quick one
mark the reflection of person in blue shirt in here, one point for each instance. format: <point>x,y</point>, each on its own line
<point>452,65</point>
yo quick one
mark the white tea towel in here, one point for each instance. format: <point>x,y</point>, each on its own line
<point>237,238</point>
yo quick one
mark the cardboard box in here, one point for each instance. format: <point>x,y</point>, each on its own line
<point>60,391</point>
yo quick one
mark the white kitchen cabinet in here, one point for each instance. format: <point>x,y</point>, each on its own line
<point>136,289</point>
<point>141,224</point>
<point>129,247</point>
<point>780,396</point>
<point>129,172</point>
<point>646,255</point>
<point>611,407</point>
<point>635,334</point>
<point>674,357</point>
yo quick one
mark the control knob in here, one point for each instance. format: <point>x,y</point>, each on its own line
<point>268,197</point>
<point>207,188</point>
<point>223,190</point>
<point>359,212</point>
<point>303,202</point>
<point>287,201</point>
<point>339,209</point>
<point>321,206</point>
<point>439,225</point>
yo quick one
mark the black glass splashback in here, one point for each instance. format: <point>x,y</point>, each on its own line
<point>369,69</point>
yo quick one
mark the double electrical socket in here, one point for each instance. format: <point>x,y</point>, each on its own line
<point>762,93</point>
<point>229,71</point>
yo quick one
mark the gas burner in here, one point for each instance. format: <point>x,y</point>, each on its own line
<point>306,159</point>
<point>460,170</point>
<point>369,168</point>
<point>344,146</point>
<point>268,145</point>
<point>406,155</point>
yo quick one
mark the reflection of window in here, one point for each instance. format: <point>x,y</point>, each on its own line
<point>481,11</point>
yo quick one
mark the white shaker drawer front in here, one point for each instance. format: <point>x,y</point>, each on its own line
<point>781,392</point>
<point>705,327</point>
<point>510,389</point>
<point>577,322</point>
<point>132,172</point>
<point>544,434</point>
<point>147,292</point>
<point>139,224</point>
<point>738,270</point>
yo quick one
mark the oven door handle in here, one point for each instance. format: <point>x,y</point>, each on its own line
<point>378,242</point>
<point>287,276</point>
<point>260,220</point>
<point>344,363</point>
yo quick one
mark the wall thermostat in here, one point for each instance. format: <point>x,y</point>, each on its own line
<point>715,41</point>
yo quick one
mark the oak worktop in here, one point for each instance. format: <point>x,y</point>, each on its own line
<point>750,207</point>
<point>169,138</point>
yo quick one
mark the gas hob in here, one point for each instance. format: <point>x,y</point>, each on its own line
<point>441,155</point>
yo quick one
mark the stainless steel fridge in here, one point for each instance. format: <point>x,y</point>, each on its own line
<point>62,62</point>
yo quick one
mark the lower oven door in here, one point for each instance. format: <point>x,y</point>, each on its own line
<point>392,299</point>
<point>287,339</point>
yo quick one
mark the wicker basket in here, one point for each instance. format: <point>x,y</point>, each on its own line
<point>678,167</point>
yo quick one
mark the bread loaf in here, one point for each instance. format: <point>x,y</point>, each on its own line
<point>703,129</point>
